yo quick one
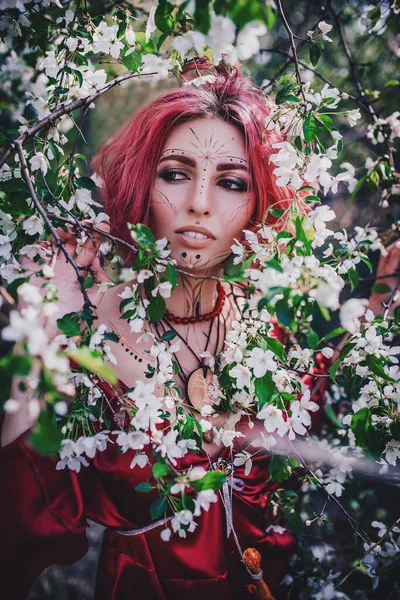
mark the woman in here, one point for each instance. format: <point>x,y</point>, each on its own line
<point>193,165</point>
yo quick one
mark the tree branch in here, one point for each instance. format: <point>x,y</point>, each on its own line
<point>43,214</point>
<point>359,562</point>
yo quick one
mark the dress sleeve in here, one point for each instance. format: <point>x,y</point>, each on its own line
<point>41,514</point>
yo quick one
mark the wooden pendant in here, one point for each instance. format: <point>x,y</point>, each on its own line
<point>197,388</point>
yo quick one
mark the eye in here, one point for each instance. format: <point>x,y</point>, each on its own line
<point>172,175</point>
<point>233,184</point>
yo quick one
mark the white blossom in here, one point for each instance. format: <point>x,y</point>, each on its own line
<point>324,29</point>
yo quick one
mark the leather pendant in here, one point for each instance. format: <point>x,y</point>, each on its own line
<point>197,387</point>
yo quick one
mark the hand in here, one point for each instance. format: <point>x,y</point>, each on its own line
<point>387,267</point>
<point>70,297</point>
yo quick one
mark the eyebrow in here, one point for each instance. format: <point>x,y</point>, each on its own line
<point>186,160</point>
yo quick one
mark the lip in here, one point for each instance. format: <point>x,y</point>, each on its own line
<point>197,229</point>
<point>191,242</point>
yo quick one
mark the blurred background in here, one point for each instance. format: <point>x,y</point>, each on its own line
<point>376,52</point>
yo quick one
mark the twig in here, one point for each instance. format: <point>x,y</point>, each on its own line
<point>391,300</point>
<point>293,47</point>
<point>331,497</point>
<point>367,105</point>
<point>43,214</point>
<point>65,110</point>
<point>359,562</point>
<point>306,66</point>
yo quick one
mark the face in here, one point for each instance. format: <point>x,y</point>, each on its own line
<point>201,199</point>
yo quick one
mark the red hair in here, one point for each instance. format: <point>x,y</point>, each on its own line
<point>128,162</point>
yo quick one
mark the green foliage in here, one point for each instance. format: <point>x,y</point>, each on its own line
<point>69,324</point>
<point>156,309</point>
<point>213,480</point>
<point>91,361</point>
<point>46,436</point>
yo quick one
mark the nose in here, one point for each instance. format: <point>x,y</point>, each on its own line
<point>199,202</point>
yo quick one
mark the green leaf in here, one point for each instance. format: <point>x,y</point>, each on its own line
<point>374,14</point>
<point>163,18</point>
<point>158,508</point>
<point>86,183</point>
<point>344,352</point>
<point>156,309</point>
<point>46,436</point>
<point>275,212</point>
<point>94,410</point>
<point>315,53</point>
<point>125,302</point>
<point>330,413</point>
<point>354,278</point>
<point>284,92</point>
<point>392,83</point>
<point>361,423</point>
<point>133,61</point>
<point>381,288</point>
<point>15,364</point>
<point>160,470</point>
<point>55,151</point>
<point>264,387</point>
<point>299,145</point>
<point>110,335</point>
<point>89,281</point>
<point>326,121</point>
<point>312,198</point>
<point>277,348</point>
<point>375,365</point>
<point>271,15</point>
<point>358,186</point>
<point>333,334</point>
<point>60,91</point>
<point>142,235</point>
<point>279,468</point>
<point>93,363</point>
<point>310,128</point>
<point>373,180</point>
<point>285,313</point>
<point>213,480</point>
<point>324,311</point>
<point>69,325</point>
<point>144,486</point>
<point>172,275</point>
<point>78,75</point>
<point>274,264</point>
<point>244,11</point>
<point>202,15</point>
<point>81,157</point>
<point>169,335</point>
<point>312,339</point>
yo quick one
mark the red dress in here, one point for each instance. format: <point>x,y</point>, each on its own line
<point>44,512</point>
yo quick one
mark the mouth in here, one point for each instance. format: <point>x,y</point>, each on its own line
<point>195,237</point>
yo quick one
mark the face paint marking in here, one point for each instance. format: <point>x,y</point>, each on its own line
<point>166,200</point>
<point>236,212</point>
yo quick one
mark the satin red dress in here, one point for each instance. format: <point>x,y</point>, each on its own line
<point>44,512</point>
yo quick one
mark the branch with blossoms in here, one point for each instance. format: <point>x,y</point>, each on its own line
<point>296,272</point>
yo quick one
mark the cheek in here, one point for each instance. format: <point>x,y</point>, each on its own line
<point>237,214</point>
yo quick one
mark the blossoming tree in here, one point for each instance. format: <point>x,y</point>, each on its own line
<point>58,59</point>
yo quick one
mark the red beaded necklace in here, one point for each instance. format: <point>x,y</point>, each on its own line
<point>200,318</point>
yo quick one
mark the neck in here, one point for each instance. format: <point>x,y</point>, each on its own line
<point>192,296</point>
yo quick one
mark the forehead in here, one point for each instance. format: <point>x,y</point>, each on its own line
<point>211,138</point>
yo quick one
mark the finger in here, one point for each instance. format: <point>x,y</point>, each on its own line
<point>98,272</point>
<point>92,245</point>
<point>68,239</point>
